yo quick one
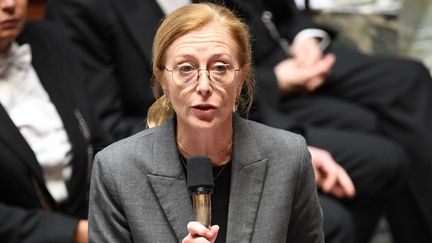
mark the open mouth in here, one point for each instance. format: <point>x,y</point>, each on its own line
<point>204,107</point>
<point>204,111</point>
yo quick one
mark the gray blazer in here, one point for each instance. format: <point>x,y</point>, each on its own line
<point>138,189</point>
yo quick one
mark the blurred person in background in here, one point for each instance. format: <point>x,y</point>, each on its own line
<point>47,133</point>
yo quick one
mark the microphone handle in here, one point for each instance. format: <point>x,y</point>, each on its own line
<point>202,208</point>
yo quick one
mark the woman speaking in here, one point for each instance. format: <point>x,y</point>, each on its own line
<point>264,187</point>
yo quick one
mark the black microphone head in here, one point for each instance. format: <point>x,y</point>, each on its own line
<point>199,173</point>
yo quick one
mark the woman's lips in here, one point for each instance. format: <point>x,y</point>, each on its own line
<point>204,106</point>
<point>204,111</point>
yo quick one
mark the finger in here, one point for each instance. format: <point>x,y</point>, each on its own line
<point>322,68</point>
<point>308,59</point>
<point>316,77</point>
<point>309,76</point>
<point>329,181</point>
<point>317,175</point>
<point>287,74</point>
<point>307,51</point>
<point>214,230</point>
<point>196,229</point>
<point>346,183</point>
<point>327,63</point>
<point>313,57</point>
<point>314,83</point>
<point>337,191</point>
<point>189,239</point>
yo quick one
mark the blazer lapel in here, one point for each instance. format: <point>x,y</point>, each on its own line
<point>175,201</point>
<point>141,19</point>
<point>13,138</point>
<point>169,182</point>
<point>248,174</point>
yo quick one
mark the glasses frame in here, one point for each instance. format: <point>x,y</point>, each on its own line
<point>198,76</point>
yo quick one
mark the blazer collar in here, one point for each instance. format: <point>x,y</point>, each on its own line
<point>247,180</point>
<point>168,180</point>
<point>248,173</point>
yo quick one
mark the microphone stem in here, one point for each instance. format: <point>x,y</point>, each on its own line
<point>202,208</point>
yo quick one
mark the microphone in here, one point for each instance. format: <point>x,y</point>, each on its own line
<point>200,184</point>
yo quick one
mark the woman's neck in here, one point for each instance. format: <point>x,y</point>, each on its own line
<point>215,143</point>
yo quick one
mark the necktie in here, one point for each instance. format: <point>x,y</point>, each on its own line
<point>18,57</point>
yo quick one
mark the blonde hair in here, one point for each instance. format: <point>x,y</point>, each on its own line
<point>177,24</point>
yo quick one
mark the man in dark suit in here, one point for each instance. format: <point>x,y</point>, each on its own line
<point>117,59</point>
<point>345,90</point>
<point>114,40</point>
<point>48,133</point>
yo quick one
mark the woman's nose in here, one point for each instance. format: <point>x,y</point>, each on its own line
<point>204,87</point>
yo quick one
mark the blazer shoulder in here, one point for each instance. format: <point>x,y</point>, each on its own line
<point>277,141</point>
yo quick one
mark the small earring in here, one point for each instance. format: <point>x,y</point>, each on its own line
<point>236,104</point>
<point>166,103</point>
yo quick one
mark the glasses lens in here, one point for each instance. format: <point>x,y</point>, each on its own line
<point>222,75</point>
<point>184,75</point>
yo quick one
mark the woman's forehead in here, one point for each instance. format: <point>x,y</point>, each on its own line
<point>212,38</point>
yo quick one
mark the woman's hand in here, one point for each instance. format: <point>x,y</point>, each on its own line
<point>81,234</point>
<point>329,175</point>
<point>199,233</point>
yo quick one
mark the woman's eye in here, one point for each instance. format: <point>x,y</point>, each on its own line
<point>220,68</point>
<point>185,68</point>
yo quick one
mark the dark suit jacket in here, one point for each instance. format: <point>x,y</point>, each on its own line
<point>28,213</point>
<point>139,194</point>
<point>114,39</point>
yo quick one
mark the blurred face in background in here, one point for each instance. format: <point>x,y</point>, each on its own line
<point>13,15</point>
<point>206,101</point>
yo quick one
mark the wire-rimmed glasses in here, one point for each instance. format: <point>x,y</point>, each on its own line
<point>186,75</point>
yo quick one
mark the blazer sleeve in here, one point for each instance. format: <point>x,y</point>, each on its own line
<point>107,222</point>
<point>35,226</point>
<point>305,226</point>
<point>88,27</point>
